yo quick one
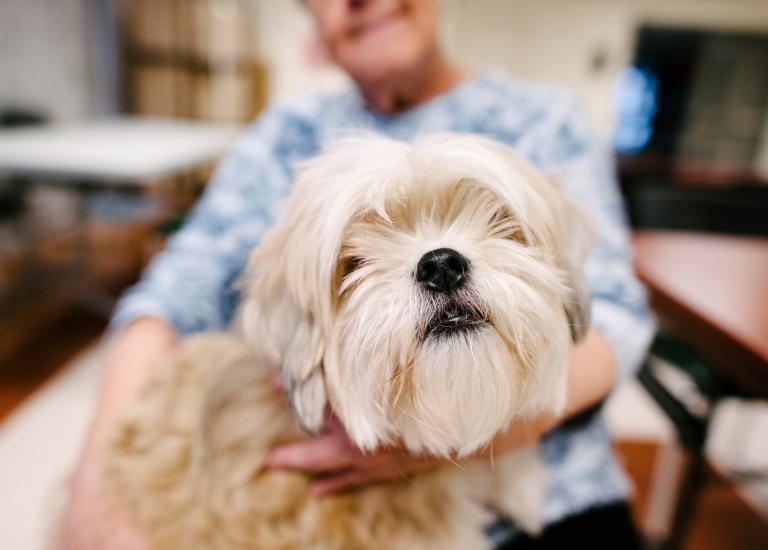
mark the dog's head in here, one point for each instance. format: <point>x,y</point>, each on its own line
<point>429,292</point>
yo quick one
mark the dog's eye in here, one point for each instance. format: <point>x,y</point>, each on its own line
<point>517,235</point>
<point>504,225</point>
<point>351,264</point>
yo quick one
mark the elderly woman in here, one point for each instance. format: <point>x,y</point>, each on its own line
<point>404,87</point>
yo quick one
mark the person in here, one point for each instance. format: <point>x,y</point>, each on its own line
<point>404,87</point>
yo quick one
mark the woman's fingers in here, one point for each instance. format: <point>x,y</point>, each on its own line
<point>376,471</point>
<point>326,485</point>
<point>325,453</point>
<point>277,382</point>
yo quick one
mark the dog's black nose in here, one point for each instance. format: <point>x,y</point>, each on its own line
<point>442,270</point>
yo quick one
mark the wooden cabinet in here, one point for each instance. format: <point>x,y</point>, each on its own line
<point>192,59</point>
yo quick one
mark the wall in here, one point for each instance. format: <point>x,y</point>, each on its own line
<point>58,56</point>
<point>581,43</point>
<point>49,59</point>
<point>284,38</point>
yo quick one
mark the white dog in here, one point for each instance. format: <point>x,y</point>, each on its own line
<point>429,293</point>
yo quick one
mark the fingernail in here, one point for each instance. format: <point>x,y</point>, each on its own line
<point>277,382</point>
<point>316,490</point>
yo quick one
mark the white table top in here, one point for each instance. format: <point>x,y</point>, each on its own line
<point>113,151</point>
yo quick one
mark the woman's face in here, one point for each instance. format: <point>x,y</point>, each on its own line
<point>373,40</point>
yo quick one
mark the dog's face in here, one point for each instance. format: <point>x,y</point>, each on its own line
<point>429,292</point>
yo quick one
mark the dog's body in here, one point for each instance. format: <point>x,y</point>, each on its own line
<point>188,492</point>
<point>437,304</point>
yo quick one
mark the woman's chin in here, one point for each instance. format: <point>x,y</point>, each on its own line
<point>383,64</point>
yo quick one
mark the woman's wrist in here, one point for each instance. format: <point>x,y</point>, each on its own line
<point>520,433</point>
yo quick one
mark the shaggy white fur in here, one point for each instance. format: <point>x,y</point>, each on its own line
<point>334,300</point>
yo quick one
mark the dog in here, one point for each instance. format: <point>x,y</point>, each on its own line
<point>429,293</point>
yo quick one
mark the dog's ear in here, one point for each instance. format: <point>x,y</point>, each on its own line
<point>579,235</point>
<point>281,318</point>
<point>288,299</point>
<point>303,376</point>
<point>286,334</point>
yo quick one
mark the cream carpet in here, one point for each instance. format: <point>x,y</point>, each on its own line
<point>39,443</point>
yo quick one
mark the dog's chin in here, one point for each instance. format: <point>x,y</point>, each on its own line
<point>463,390</point>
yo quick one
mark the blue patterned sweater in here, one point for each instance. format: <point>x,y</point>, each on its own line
<point>191,283</point>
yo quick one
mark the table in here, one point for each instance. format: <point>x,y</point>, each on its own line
<point>118,154</point>
<point>110,152</point>
<point>712,292</point>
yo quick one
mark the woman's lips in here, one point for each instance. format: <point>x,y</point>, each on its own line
<point>377,26</point>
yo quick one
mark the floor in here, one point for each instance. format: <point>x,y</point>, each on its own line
<point>43,357</point>
<point>721,519</point>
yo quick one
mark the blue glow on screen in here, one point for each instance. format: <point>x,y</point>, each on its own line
<point>636,104</point>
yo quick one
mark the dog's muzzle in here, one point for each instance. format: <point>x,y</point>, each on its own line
<point>442,272</point>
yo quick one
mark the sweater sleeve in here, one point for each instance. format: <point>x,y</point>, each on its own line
<point>565,146</point>
<point>192,283</point>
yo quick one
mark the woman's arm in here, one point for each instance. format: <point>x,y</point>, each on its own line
<point>131,356</point>
<point>592,375</point>
<point>91,522</point>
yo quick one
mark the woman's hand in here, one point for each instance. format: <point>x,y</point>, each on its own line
<point>337,464</point>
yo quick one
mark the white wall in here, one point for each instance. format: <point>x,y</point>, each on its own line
<point>581,43</point>
<point>283,34</point>
<point>57,56</point>
<point>42,56</point>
